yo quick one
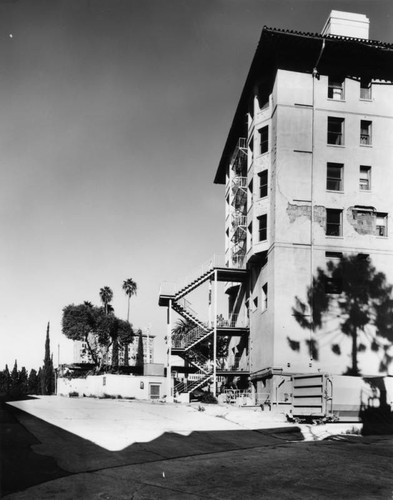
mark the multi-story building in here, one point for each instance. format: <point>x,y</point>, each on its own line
<point>308,175</point>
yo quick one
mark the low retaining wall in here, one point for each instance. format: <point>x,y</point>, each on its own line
<point>126,386</point>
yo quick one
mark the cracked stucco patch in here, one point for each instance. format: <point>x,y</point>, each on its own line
<point>363,221</point>
<point>295,211</point>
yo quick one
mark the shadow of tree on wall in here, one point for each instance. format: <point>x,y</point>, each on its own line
<point>359,299</point>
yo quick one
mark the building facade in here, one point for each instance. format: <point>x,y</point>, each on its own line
<point>308,179</point>
<point>308,173</point>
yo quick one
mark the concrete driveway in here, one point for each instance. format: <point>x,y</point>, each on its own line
<point>117,449</point>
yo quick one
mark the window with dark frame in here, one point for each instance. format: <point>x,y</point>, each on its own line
<point>365,178</point>
<point>336,88</point>
<point>264,139</point>
<point>263,184</point>
<point>335,131</point>
<point>334,177</point>
<point>262,227</point>
<point>365,133</point>
<point>333,222</point>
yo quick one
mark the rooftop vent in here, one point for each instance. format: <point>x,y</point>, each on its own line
<point>347,24</point>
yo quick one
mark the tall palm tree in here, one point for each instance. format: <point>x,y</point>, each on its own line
<point>106,296</point>
<point>130,288</point>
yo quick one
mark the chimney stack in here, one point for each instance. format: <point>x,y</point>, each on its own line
<point>347,24</point>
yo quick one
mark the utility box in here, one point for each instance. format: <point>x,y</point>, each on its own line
<point>312,395</point>
<point>341,397</point>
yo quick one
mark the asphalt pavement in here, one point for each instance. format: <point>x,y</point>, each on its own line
<point>59,448</point>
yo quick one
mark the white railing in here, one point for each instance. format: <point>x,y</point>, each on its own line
<point>234,320</point>
<point>190,338</point>
<point>239,181</point>
<point>171,287</point>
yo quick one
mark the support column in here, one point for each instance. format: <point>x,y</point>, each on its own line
<point>215,336</point>
<point>169,396</point>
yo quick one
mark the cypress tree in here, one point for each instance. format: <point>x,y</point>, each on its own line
<point>47,371</point>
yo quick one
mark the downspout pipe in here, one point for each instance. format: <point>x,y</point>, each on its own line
<point>315,75</point>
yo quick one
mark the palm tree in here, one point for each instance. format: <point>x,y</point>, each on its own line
<point>106,296</point>
<point>130,288</point>
<point>182,327</point>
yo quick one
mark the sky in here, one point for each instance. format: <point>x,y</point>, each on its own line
<point>113,118</point>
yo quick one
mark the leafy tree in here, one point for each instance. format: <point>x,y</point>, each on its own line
<point>14,379</point>
<point>125,337</point>
<point>106,296</point>
<point>355,292</point>
<point>22,382</point>
<point>130,289</point>
<point>99,330</point>
<point>40,381</point>
<point>48,371</point>
<point>33,382</point>
<point>79,323</point>
<point>5,380</point>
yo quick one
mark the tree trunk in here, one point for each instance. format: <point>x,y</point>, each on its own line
<point>355,369</point>
<point>126,357</point>
<point>115,354</point>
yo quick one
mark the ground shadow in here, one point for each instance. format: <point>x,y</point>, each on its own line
<point>58,453</point>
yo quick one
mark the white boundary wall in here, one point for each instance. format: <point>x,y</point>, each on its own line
<point>126,386</point>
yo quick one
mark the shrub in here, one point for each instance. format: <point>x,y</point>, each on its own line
<point>73,394</point>
<point>208,398</point>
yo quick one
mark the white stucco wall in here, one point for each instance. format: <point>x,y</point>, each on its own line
<point>112,385</point>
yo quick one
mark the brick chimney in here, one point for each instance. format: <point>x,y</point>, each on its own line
<point>347,24</point>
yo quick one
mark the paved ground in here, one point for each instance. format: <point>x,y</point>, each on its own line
<point>60,448</point>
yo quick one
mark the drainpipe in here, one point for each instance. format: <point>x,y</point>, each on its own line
<point>315,75</point>
<point>169,346</point>
<point>215,337</point>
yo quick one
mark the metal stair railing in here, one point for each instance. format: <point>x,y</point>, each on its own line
<point>181,387</point>
<point>192,338</point>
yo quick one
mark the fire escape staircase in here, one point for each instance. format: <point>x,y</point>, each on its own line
<point>187,346</point>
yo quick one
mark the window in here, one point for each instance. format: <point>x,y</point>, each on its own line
<point>263,184</point>
<point>333,222</point>
<point>264,297</point>
<point>264,139</point>
<point>365,178</point>
<point>262,227</point>
<point>336,88</point>
<point>381,226</point>
<point>334,177</point>
<point>335,131</point>
<point>365,89</point>
<point>365,132</point>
